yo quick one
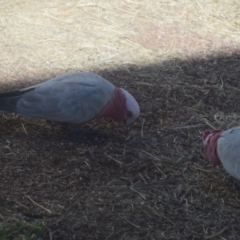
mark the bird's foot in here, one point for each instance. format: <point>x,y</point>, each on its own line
<point>80,133</point>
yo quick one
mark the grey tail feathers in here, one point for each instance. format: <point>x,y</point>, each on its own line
<point>8,100</point>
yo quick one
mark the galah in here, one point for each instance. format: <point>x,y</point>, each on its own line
<point>74,99</point>
<point>223,147</point>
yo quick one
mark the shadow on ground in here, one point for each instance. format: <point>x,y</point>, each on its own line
<point>148,181</point>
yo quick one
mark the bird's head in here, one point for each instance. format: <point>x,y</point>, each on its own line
<point>132,109</point>
<point>206,135</point>
<point>122,107</point>
<point>210,144</point>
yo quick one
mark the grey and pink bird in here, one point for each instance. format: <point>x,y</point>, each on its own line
<point>223,147</point>
<point>74,98</point>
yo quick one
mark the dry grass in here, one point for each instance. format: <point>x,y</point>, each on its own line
<point>151,180</point>
<point>45,38</point>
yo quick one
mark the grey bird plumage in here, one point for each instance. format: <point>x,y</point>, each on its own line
<point>72,98</point>
<point>228,146</point>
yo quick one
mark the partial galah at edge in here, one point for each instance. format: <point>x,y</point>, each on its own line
<point>223,147</point>
<point>74,98</point>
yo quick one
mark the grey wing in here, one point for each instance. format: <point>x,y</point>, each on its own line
<point>228,151</point>
<point>72,98</point>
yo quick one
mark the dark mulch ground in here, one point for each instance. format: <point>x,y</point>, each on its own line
<point>148,181</point>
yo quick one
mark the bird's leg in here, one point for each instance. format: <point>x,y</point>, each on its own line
<point>77,130</point>
<point>80,133</point>
<point>235,183</point>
